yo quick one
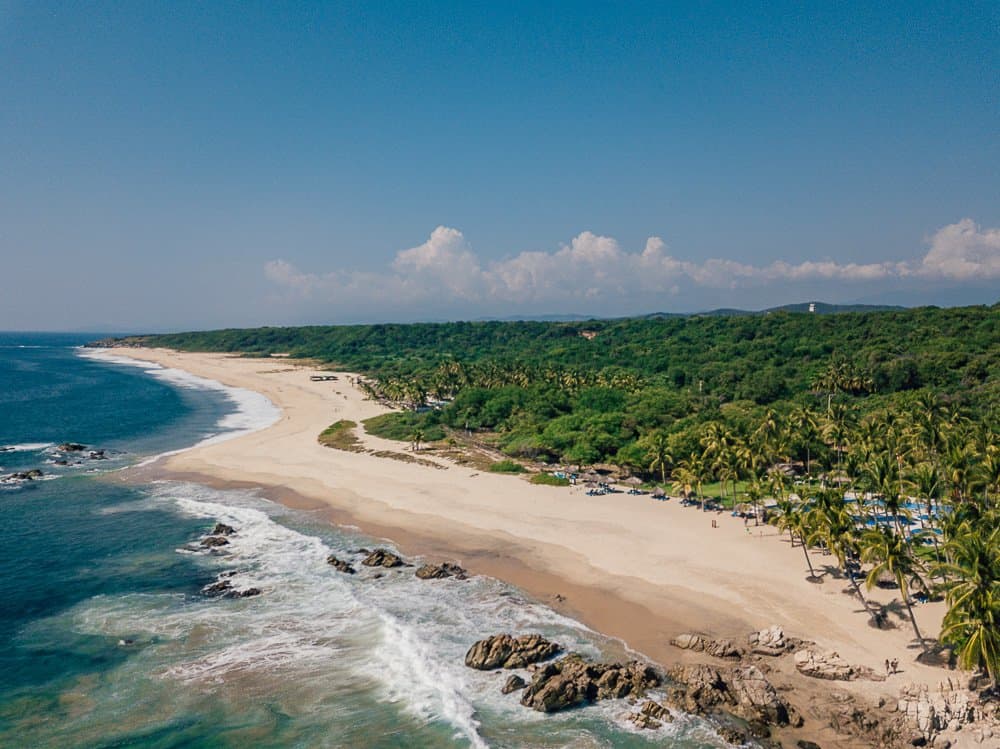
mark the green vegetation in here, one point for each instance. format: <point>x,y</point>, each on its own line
<point>402,426</point>
<point>507,466</point>
<point>547,479</point>
<point>341,436</point>
<point>895,404</point>
<point>553,395</point>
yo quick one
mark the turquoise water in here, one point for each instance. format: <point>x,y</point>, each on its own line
<point>106,639</point>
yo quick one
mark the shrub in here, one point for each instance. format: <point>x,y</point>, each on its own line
<point>547,479</point>
<point>507,466</point>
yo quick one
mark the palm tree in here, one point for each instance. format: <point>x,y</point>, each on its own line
<point>694,464</point>
<point>804,429</point>
<point>989,475</point>
<point>793,519</point>
<point>890,553</point>
<point>973,595</point>
<point>833,526</point>
<point>659,455</point>
<point>754,492</point>
<point>836,430</point>
<point>719,442</point>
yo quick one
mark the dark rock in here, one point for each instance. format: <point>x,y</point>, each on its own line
<point>513,684</point>
<point>655,709</point>
<point>212,541</point>
<point>31,475</point>
<point>651,715</point>
<point>440,571</point>
<point>221,529</point>
<point>340,565</point>
<point>732,733</point>
<point>573,681</point>
<point>218,588</point>
<point>382,558</point>
<point>803,744</point>
<point>225,589</point>
<point>71,447</point>
<point>97,455</point>
<point>918,741</point>
<point>505,651</point>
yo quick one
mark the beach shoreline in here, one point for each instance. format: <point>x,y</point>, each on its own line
<point>631,568</point>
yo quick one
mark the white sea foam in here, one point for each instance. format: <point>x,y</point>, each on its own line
<point>252,412</point>
<point>25,447</point>
<point>315,632</point>
<point>413,675</point>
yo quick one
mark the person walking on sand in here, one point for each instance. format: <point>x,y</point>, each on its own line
<point>895,666</point>
<point>886,666</point>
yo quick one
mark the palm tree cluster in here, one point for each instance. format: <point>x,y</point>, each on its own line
<point>912,499</point>
<point>452,376</point>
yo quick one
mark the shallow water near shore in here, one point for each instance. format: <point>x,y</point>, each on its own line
<point>107,640</point>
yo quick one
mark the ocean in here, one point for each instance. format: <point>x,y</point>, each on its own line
<point>108,640</point>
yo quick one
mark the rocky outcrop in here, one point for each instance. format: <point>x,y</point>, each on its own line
<point>505,651</point>
<point>224,589</point>
<point>340,565</point>
<point>702,644</point>
<point>573,681</point>
<point>71,447</point>
<point>758,700</point>
<point>829,665</point>
<point>772,641</point>
<point>221,529</point>
<point>742,691</point>
<point>382,558</point>
<point>212,542</point>
<point>513,684</point>
<point>32,475</point>
<point>651,715</point>
<point>440,571</point>
<point>948,707</point>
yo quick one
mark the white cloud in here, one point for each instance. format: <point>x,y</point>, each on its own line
<point>445,269</point>
<point>963,252</point>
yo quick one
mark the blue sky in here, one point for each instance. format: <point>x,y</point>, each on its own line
<point>186,165</point>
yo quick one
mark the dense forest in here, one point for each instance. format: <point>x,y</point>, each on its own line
<point>886,422</point>
<point>599,391</point>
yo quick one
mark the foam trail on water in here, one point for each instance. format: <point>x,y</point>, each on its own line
<point>429,690</point>
<point>25,447</point>
<point>316,638</point>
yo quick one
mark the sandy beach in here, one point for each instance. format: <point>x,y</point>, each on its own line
<point>629,566</point>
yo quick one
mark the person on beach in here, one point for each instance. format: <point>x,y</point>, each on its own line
<point>886,666</point>
<point>895,665</point>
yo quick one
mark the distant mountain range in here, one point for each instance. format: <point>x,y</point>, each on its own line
<point>819,308</point>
